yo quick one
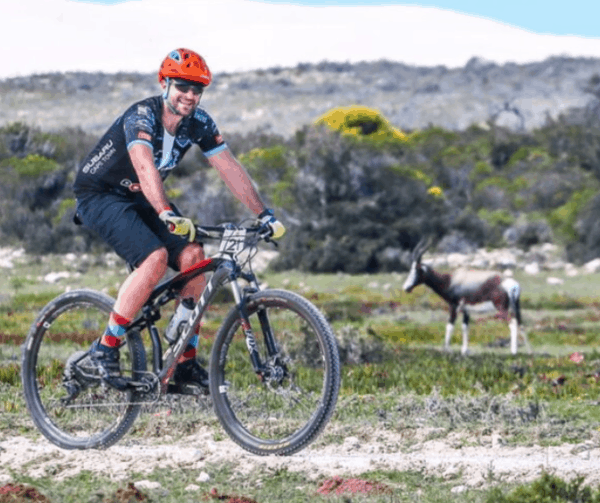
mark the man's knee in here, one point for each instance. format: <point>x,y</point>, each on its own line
<point>191,254</point>
<point>157,261</point>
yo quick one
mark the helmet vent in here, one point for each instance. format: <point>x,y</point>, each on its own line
<point>185,64</point>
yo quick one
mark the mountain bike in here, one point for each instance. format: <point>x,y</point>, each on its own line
<point>274,369</point>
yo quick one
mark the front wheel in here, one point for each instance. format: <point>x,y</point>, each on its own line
<point>70,405</point>
<point>283,409</point>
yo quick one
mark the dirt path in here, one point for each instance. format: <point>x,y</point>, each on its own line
<point>469,466</point>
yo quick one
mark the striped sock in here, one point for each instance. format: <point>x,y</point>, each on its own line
<point>115,330</point>
<point>190,350</point>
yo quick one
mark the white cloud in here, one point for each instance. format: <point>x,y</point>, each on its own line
<point>60,35</point>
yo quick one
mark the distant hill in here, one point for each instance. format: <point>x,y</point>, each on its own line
<point>281,100</point>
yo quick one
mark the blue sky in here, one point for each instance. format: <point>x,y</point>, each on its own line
<point>575,17</point>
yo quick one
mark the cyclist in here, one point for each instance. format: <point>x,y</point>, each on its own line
<point>120,195</point>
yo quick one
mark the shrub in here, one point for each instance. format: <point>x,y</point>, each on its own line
<point>497,218</point>
<point>564,218</point>
<point>355,193</point>
<point>361,122</point>
<point>273,173</point>
<point>547,489</point>
<point>33,165</point>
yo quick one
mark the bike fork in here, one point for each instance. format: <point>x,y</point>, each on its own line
<point>270,344</point>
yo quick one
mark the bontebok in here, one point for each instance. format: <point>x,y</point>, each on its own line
<point>469,287</point>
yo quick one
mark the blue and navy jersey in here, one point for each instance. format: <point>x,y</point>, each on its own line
<point>109,165</point>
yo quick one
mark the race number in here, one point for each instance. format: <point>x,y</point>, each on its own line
<point>233,241</point>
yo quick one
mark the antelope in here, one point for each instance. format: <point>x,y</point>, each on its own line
<point>468,287</point>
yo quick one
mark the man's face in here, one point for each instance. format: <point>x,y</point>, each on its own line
<point>184,96</point>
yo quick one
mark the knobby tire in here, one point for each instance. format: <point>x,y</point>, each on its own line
<point>100,415</point>
<point>278,416</point>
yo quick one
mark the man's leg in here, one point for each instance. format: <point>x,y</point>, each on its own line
<point>134,292</point>
<point>188,369</point>
<point>138,286</point>
<point>191,254</point>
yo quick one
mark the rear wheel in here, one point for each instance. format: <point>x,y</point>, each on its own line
<point>67,400</point>
<point>283,410</point>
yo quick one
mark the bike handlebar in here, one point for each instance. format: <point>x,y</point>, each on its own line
<point>216,231</point>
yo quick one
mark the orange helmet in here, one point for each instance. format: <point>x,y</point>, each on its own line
<point>187,65</point>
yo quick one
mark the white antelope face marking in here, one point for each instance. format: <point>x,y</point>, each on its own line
<point>412,278</point>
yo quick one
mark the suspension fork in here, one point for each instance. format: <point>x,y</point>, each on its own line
<point>264,371</point>
<point>240,302</point>
<point>263,318</point>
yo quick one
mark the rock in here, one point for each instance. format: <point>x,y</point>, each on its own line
<point>555,281</point>
<point>502,259</point>
<point>198,455</point>
<point>592,266</point>
<point>203,477</point>
<point>69,258</point>
<point>54,277</point>
<point>533,268</point>
<point>457,260</point>
<point>571,270</point>
<point>8,255</point>
<point>147,484</point>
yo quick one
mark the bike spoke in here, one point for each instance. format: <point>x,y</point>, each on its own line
<point>285,407</point>
<point>68,401</point>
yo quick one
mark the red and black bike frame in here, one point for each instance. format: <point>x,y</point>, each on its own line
<point>224,271</point>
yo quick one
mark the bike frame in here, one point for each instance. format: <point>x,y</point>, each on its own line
<point>226,270</point>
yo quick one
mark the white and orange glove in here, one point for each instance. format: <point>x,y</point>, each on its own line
<point>275,226</point>
<point>180,226</point>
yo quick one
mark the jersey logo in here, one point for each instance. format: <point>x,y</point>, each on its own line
<point>133,187</point>
<point>175,56</point>
<point>96,162</point>
<point>143,110</point>
<point>183,142</point>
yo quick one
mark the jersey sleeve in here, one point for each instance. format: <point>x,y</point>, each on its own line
<point>207,135</point>
<point>139,126</point>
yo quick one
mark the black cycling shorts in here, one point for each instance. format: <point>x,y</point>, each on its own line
<point>129,225</point>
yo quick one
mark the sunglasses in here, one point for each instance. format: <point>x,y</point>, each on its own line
<point>184,87</point>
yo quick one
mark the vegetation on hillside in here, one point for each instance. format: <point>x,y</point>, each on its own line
<point>356,194</point>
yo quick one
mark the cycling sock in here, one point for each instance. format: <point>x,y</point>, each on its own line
<point>115,330</point>
<point>190,350</point>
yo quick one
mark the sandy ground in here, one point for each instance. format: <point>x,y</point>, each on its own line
<point>487,463</point>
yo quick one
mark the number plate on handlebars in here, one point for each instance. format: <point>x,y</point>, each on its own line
<point>233,242</point>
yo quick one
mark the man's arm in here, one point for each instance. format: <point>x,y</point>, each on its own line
<point>237,180</point>
<point>149,177</point>
<point>154,191</point>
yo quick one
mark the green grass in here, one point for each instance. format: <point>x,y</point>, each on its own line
<point>283,485</point>
<point>395,378</point>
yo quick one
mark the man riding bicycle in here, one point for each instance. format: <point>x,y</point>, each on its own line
<point>121,196</point>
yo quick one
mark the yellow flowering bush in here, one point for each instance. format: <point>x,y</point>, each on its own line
<point>361,122</point>
<point>435,191</point>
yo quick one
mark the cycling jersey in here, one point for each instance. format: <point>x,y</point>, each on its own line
<point>109,166</point>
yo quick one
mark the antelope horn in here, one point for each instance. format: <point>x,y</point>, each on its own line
<point>421,248</point>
